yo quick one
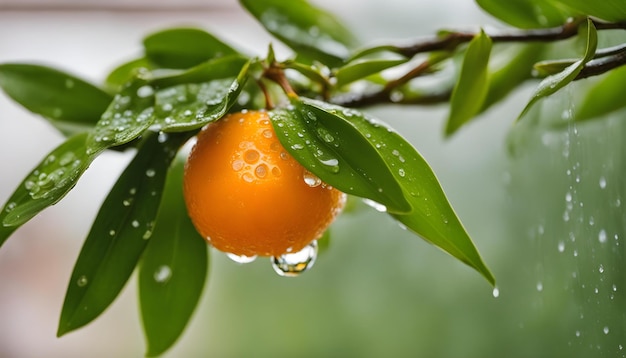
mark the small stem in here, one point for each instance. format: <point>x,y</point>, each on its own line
<point>602,65</point>
<point>269,104</point>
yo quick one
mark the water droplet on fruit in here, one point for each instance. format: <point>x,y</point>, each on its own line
<point>311,179</point>
<point>247,177</point>
<point>261,171</point>
<point>82,281</point>
<point>267,133</point>
<point>293,264</point>
<point>163,274</point>
<point>251,156</point>
<point>238,165</point>
<point>241,259</point>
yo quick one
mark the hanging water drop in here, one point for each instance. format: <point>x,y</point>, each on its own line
<point>241,259</point>
<point>495,292</point>
<point>293,264</point>
<point>311,179</point>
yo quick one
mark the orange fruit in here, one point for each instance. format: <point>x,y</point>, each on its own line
<point>247,196</point>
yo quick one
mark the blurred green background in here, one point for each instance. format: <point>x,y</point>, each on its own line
<point>543,201</point>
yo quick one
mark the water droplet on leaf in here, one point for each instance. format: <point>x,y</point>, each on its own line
<point>163,274</point>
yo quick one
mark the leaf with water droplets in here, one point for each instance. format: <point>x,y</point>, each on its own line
<point>609,10</point>
<point>527,14</point>
<point>68,102</point>
<point>128,116</point>
<point>125,72</point>
<point>334,150</point>
<point>555,82</point>
<point>184,47</point>
<point>309,30</point>
<point>471,89</point>
<point>46,184</point>
<point>119,233</point>
<point>192,105</point>
<point>173,269</point>
<point>433,218</point>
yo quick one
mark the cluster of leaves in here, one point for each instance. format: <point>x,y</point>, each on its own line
<point>188,78</point>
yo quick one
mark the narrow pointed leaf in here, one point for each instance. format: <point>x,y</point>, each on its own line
<point>173,269</point>
<point>432,218</point>
<point>360,69</point>
<point>308,30</point>
<point>605,96</point>
<point>119,234</point>
<point>553,83</point>
<point>57,96</point>
<point>184,47</point>
<point>128,116</point>
<point>334,150</point>
<point>471,89</point>
<point>45,185</point>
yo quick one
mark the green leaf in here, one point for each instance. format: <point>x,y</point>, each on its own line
<point>191,106</point>
<point>173,269</point>
<point>308,30</point>
<point>119,234</point>
<point>526,14</point>
<point>184,47</point>
<point>125,72</point>
<point>510,69</point>
<point>128,116</point>
<point>48,183</point>
<point>334,150</point>
<point>552,67</point>
<point>471,89</point>
<point>360,69</point>
<point>225,67</point>
<point>609,10</point>
<point>553,83</point>
<point>65,100</point>
<point>432,217</point>
<point>605,96</point>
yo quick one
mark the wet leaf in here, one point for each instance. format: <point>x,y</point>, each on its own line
<point>173,269</point>
<point>552,67</point>
<point>128,116</point>
<point>553,83</point>
<point>471,89</point>
<point>226,67</point>
<point>609,10</point>
<point>69,102</point>
<point>119,233</point>
<point>191,106</point>
<point>526,14</point>
<point>335,151</point>
<point>184,47</point>
<point>605,96</point>
<point>360,69</point>
<point>432,218</point>
<point>308,30</point>
<point>45,185</point>
<point>125,72</point>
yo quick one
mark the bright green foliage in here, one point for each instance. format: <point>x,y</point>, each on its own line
<point>69,103</point>
<point>187,78</point>
<point>173,269</point>
<point>471,89</point>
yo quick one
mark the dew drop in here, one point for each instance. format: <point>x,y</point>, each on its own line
<point>332,162</point>
<point>112,232</point>
<point>145,91</point>
<point>238,165</point>
<point>162,138</point>
<point>163,274</point>
<point>293,264</point>
<point>247,177</point>
<point>297,146</point>
<point>539,286</point>
<point>605,330</point>
<point>82,281</point>
<point>568,197</point>
<point>267,133</point>
<point>241,259</point>
<point>602,236</point>
<point>135,223</point>
<point>495,292</point>
<point>601,269</point>
<point>561,246</point>
<point>10,207</point>
<point>401,172</point>
<point>251,156</point>
<point>311,179</point>
<point>261,171</point>
<point>150,173</point>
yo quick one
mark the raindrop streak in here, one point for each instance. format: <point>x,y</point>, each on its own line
<point>241,259</point>
<point>293,264</point>
<point>163,274</point>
